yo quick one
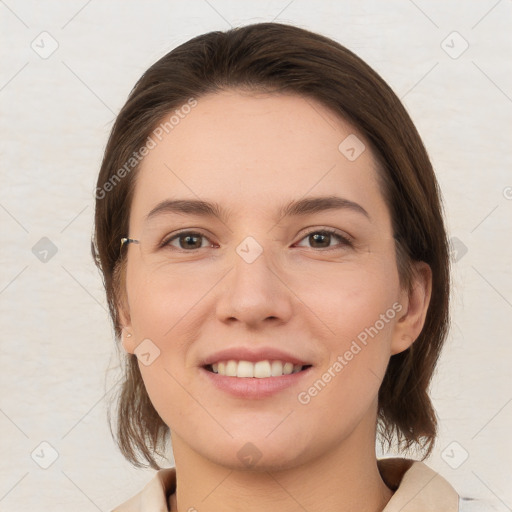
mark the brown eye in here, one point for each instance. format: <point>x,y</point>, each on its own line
<point>187,240</point>
<point>321,239</point>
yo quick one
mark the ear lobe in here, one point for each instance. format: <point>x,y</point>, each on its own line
<point>128,341</point>
<point>127,337</point>
<point>416,300</point>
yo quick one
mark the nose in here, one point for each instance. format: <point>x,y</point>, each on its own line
<point>254,293</point>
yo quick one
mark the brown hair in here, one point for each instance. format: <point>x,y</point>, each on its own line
<point>274,57</point>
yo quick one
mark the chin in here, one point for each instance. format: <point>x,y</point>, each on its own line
<point>251,458</point>
<point>257,451</point>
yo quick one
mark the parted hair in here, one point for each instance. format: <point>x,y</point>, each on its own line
<point>274,57</point>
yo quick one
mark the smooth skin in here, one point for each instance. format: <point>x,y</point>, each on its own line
<point>252,153</point>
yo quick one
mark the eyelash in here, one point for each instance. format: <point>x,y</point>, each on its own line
<point>345,241</point>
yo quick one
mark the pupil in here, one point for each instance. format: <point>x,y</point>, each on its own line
<point>324,236</point>
<point>189,238</point>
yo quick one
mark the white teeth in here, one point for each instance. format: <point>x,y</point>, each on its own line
<point>245,369</point>
<point>277,368</point>
<point>260,370</point>
<point>287,368</point>
<point>231,367</point>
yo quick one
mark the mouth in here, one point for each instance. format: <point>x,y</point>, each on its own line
<point>255,380</point>
<point>259,369</point>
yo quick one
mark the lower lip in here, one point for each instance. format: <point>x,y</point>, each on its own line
<point>252,387</point>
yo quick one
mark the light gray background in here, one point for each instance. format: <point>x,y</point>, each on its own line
<point>56,113</point>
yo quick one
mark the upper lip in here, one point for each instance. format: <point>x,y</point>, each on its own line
<point>253,355</point>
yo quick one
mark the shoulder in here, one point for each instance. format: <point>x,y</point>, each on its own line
<point>153,497</point>
<point>419,488</point>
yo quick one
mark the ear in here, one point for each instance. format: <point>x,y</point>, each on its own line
<point>415,303</point>
<point>123,309</point>
<point>127,336</point>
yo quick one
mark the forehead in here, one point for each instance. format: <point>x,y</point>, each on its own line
<point>250,151</point>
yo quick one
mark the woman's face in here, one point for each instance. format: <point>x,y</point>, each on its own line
<point>265,283</point>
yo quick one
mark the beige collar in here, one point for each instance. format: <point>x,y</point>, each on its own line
<point>417,487</point>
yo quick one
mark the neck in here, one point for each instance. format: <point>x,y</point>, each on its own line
<point>344,479</point>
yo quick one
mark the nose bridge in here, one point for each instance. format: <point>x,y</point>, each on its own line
<point>253,290</point>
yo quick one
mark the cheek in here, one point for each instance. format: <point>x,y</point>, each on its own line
<point>353,298</point>
<point>360,307</point>
<point>167,317</point>
<point>160,303</point>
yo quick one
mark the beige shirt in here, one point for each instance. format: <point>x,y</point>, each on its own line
<point>417,488</point>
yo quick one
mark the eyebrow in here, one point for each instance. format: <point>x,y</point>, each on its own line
<point>300,207</point>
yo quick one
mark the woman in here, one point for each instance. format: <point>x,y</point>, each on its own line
<point>269,229</point>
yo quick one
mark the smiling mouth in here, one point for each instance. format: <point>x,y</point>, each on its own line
<point>260,369</point>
